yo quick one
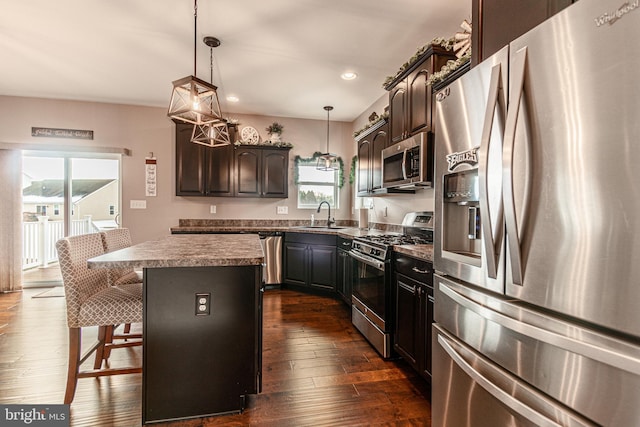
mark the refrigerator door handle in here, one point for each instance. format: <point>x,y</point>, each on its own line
<point>497,392</point>
<point>599,352</point>
<point>488,237</point>
<point>513,237</point>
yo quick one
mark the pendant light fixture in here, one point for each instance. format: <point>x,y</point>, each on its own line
<point>327,161</point>
<point>193,100</point>
<point>215,133</point>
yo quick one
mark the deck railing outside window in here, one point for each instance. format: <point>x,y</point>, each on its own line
<point>39,239</point>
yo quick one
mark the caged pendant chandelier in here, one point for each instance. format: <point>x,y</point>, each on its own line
<point>193,100</point>
<point>216,133</point>
<point>327,161</point>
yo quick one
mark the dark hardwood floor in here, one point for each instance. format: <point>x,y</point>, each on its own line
<point>317,370</point>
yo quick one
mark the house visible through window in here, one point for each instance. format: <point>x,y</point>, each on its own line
<point>41,210</point>
<point>56,209</point>
<point>315,186</point>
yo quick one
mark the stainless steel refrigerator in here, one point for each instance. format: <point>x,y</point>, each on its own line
<point>537,237</point>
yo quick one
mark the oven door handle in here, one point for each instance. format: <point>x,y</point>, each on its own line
<point>367,260</point>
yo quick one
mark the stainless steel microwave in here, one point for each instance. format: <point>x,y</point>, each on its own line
<point>408,163</point>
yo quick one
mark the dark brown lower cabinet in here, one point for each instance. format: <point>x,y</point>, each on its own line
<point>413,284</point>
<point>310,261</point>
<point>346,268</point>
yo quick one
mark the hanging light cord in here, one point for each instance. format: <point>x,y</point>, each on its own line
<point>328,131</point>
<point>195,35</point>
<point>211,63</point>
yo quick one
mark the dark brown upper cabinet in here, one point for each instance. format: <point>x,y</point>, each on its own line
<point>229,170</point>
<point>498,22</point>
<point>370,146</point>
<point>410,105</point>
<point>364,166</point>
<point>262,172</point>
<point>201,170</point>
<point>379,141</point>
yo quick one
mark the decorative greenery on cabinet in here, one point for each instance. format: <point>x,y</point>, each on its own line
<point>446,44</point>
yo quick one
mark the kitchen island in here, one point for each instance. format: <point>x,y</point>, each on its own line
<point>202,322</point>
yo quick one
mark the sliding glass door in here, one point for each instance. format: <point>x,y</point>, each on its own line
<point>64,194</point>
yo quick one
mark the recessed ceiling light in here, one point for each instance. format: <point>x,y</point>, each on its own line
<point>349,75</point>
<point>233,98</point>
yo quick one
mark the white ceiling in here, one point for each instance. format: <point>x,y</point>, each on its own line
<point>280,57</point>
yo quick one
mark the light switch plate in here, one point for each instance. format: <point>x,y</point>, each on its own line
<point>282,210</point>
<point>212,209</point>
<point>138,204</point>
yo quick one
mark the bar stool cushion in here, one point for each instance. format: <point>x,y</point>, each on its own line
<point>113,303</point>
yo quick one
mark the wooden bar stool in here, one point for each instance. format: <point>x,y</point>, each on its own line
<point>92,301</point>
<point>128,278</point>
<point>112,240</point>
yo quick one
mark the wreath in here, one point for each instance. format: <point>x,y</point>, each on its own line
<point>298,159</point>
<point>352,172</point>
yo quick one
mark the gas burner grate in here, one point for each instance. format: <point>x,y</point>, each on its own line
<point>391,239</point>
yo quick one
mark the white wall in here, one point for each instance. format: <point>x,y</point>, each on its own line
<point>147,129</point>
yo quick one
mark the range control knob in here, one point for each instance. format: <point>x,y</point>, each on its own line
<point>378,252</point>
<point>372,251</point>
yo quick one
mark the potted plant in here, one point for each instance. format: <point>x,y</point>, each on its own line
<point>275,130</point>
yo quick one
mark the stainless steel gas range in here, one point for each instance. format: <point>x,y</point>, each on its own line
<point>373,308</point>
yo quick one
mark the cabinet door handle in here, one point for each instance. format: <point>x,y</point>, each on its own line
<point>417,270</point>
<point>404,163</point>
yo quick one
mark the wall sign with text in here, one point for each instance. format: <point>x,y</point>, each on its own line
<point>150,175</point>
<point>61,133</point>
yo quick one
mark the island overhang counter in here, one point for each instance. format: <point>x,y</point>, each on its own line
<point>202,322</point>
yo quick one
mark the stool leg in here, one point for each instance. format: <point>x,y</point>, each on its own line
<point>108,339</point>
<point>103,335</point>
<point>73,364</point>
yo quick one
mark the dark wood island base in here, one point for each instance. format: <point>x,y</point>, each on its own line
<point>200,364</point>
<point>202,323</point>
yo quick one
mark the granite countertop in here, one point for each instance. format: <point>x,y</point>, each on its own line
<point>339,230</point>
<point>419,251</point>
<point>194,227</point>
<point>203,250</point>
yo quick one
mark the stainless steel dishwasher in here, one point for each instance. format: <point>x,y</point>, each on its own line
<point>271,242</point>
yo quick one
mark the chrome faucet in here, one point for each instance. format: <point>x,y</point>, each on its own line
<point>329,220</point>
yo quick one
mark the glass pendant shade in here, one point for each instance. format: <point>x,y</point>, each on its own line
<point>194,101</point>
<point>212,134</point>
<point>327,161</point>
